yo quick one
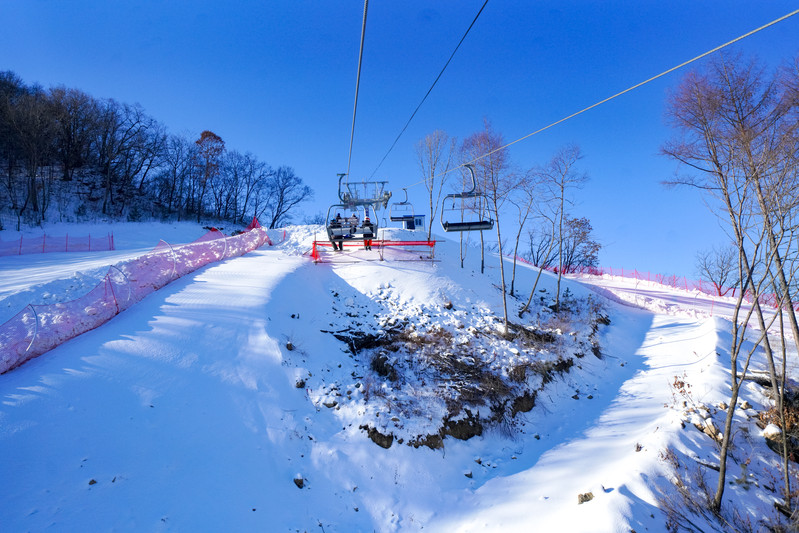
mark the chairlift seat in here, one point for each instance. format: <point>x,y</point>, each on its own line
<point>475,225</point>
<point>346,232</point>
<point>402,211</point>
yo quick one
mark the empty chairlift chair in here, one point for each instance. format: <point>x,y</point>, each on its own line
<point>466,211</point>
<point>403,212</point>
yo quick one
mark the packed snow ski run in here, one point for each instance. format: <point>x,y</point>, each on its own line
<point>370,391</point>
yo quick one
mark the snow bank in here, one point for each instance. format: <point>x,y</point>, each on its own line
<point>39,328</point>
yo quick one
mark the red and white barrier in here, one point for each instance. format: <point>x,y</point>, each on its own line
<point>39,328</point>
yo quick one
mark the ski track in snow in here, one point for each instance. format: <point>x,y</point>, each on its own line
<point>183,413</point>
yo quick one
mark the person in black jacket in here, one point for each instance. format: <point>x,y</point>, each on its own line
<point>335,236</point>
<point>368,232</point>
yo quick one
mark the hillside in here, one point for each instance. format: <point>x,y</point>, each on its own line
<point>267,392</point>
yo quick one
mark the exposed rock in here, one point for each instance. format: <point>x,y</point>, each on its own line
<point>586,497</point>
<point>384,441</point>
<point>709,429</point>
<point>381,365</point>
<point>523,403</point>
<point>299,481</point>
<point>434,442</point>
<point>465,428</point>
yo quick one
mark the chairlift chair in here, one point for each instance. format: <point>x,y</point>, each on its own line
<point>346,231</point>
<point>402,212</point>
<point>467,210</point>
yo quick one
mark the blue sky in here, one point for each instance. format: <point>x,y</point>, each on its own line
<point>277,78</point>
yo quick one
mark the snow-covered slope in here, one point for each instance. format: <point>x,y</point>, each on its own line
<point>234,399</point>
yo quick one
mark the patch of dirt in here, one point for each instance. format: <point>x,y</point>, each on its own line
<point>470,372</point>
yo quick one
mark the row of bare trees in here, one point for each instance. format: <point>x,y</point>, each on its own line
<point>738,139</point>
<point>102,156</point>
<point>537,202</point>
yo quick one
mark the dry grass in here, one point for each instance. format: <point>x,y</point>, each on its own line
<point>687,508</point>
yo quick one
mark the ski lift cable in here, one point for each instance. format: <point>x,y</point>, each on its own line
<point>430,89</point>
<point>636,86</point>
<point>357,85</point>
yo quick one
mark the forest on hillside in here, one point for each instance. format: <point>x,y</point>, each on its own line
<point>68,156</point>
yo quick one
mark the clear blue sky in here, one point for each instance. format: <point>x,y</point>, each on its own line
<point>277,78</point>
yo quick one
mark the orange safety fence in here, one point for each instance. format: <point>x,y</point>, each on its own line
<point>673,281</point>
<point>65,243</point>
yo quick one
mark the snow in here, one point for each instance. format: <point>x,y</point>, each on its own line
<point>207,404</point>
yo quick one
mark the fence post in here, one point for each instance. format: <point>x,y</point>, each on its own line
<point>90,242</point>
<point>66,243</point>
<point>126,281</point>
<point>44,241</point>
<point>20,245</point>
<point>35,327</point>
<point>111,287</point>
<point>174,258</point>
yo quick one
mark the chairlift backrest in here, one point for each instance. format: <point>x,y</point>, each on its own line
<point>401,211</point>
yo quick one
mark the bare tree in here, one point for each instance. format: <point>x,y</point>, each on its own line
<point>542,240</point>
<point>525,197</point>
<point>174,175</point>
<point>718,266</point>
<point>579,247</point>
<point>434,156</point>
<point>560,176</point>
<point>128,162</point>
<point>122,131</point>
<point>254,175</point>
<point>492,171</point>
<point>12,89</point>
<point>285,191</point>
<point>75,114</point>
<point>211,147</point>
<point>33,124</point>
<point>734,135</point>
